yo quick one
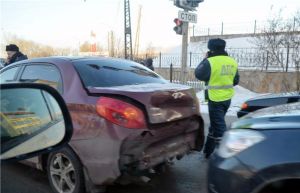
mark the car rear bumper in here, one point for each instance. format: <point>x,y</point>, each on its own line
<point>230,175</point>
<point>159,152</point>
<point>158,146</point>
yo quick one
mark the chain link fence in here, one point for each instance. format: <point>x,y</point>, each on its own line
<point>250,27</point>
<point>284,60</point>
<point>249,59</point>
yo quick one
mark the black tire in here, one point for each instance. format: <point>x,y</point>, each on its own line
<point>161,168</point>
<point>67,174</point>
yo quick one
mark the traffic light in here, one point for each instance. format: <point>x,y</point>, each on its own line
<point>178,27</point>
<point>194,3</point>
<point>189,5</point>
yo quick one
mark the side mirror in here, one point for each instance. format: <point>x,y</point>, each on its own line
<point>34,120</point>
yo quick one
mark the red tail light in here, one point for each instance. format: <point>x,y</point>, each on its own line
<point>121,113</point>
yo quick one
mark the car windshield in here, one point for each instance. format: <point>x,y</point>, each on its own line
<point>109,73</point>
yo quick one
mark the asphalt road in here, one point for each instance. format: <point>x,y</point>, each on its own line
<point>187,175</point>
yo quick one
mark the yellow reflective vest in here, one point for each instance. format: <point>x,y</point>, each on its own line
<point>223,71</point>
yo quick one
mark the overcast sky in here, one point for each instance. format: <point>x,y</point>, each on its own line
<point>67,23</point>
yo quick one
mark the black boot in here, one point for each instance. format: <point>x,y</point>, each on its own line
<point>209,146</point>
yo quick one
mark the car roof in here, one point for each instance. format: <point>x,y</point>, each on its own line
<point>65,60</point>
<point>295,94</point>
<point>285,116</point>
<point>278,110</point>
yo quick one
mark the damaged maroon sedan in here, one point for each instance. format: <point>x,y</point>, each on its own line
<point>126,118</point>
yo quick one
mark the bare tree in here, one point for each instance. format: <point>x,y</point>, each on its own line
<point>280,44</point>
<point>119,48</point>
<point>115,48</point>
<point>33,49</point>
<point>85,47</point>
<point>151,51</point>
<point>296,51</point>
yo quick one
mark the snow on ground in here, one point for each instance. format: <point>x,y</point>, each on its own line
<point>241,95</point>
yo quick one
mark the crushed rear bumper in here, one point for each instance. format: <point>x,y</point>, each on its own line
<point>158,146</point>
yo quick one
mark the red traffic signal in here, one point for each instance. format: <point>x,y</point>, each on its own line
<point>178,22</point>
<point>178,27</point>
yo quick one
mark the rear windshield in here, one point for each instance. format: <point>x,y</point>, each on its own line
<point>114,72</point>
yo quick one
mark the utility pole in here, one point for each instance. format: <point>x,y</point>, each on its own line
<point>127,30</point>
<point>182,28</point>
<point>137,34</point>
<point>185,35</point>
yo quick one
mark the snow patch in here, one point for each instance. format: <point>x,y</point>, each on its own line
<point>241,95</point>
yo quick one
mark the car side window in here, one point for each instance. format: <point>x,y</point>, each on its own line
<point>8,75</point>
<point>45,74</point>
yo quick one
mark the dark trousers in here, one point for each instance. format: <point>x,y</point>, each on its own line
<point>217,112</point>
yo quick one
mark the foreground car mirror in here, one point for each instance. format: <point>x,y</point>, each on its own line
<point>34,120</point>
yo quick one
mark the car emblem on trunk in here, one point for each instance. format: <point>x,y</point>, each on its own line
<point>177,95</point>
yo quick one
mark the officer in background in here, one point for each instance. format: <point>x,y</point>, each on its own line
<point>220,73</point>
<point>149,63</point>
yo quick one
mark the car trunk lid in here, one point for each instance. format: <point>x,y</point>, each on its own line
<point>163,102</point>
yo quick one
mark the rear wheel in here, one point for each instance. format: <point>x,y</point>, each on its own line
<point>64,172</point>
<point>162,167</point>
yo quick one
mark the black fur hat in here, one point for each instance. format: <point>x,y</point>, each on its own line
<point>12,47</point>
<point>216,44</point>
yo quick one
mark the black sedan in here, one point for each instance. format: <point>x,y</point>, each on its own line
<point>260,154</point>
<point>268,100</point>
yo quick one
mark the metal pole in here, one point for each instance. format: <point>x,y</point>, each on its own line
<point>287,57</point>
<point>281,61</point>
<point>193,30</point>
<point>183,71</point>
<point>254,26</point>
<point>171,72</point>
<point>108,44</point>
<point>267,60</point>
<point>190,59</point>
<point>222,28</point>
<point>159,59</point>
<point>263,62</point>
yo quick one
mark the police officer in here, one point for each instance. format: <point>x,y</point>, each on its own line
<point>220,73</point>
